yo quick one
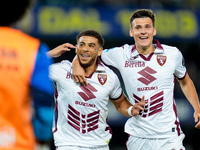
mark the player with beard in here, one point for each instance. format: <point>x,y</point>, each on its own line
<point>81,111</point>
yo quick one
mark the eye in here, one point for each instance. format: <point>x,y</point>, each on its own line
<point>81,44</point>
<point>137,27</point>
<point>148,27</point>
<point>91,45</point>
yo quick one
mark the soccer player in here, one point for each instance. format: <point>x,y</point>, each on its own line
<point>23,78</point>
<point>149,68</point>
<point>81,111</point>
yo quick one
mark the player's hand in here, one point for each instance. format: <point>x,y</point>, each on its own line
<point>197,118</point>
<point>59,50</point>
<point>138,107</point>
<point>78,73</point>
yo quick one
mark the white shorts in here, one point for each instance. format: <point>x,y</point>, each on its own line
<point>71,147</point>
<point>137,143</point>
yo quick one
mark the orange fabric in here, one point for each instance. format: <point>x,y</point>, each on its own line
<point>17,58</point>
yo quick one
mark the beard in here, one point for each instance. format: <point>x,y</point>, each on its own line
<point>90,63</point>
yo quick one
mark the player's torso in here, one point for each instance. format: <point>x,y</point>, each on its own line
<point>82,110</point>
<point>151,76</point>
<point>148,76</point>
<point>94,96</point>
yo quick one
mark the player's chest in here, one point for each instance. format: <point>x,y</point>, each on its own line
<point>147,71</point>
<point>97,90</point>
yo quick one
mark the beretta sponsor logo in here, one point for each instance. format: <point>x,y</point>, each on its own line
<point>134,64</point>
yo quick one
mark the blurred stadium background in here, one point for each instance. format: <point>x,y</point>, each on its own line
<point>178,24</point>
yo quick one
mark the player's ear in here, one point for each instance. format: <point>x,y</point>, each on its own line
<point>154,31</point>
<point>76,48</point>
<point>100,51</point>
<point>131,32</point>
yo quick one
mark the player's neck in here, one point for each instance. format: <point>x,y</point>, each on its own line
<point>146,50</point>
<point>90,69</point>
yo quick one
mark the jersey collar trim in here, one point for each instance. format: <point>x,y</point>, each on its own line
<point>100,67</point>
<point>157,45</point>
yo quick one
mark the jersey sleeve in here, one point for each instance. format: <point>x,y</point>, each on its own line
<point>110,56</point>
<point>53,71</point>
<point>58,69</point>
<point>117,90</point>
<point>180,69</point>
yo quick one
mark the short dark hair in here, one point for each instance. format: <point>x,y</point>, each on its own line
<point>91,33</point>
<point>12,10</point>
<point>142,13</point>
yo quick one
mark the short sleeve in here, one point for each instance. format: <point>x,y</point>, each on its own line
<point>57,70</point>
<point>180,69</point>
<point>53,71</point>
<point>117,90</point>
<point>110,56</point>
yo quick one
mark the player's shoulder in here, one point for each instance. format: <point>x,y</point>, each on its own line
<point>103,68</point>
<point>169,48</point>
<point>109,72</point>
<point>107,69</point>
<point>119,48</point>
<point>64,65</point>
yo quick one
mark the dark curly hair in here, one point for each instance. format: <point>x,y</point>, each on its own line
<point>12,10</point>
<point>91,33</point>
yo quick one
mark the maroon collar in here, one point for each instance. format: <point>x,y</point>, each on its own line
<point>157,45</point>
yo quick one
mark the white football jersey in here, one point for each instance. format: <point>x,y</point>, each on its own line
<point>81,111</point>
<point>154,77</point>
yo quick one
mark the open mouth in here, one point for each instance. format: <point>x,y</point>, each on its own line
<point>143,38</point>
<point>85,56</point>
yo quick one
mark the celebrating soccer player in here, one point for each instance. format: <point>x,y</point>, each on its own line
<point>149,68</point>
<point>81,111</point>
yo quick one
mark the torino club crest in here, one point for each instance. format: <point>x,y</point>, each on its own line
<point>161,59</point>
<point>102,78</point>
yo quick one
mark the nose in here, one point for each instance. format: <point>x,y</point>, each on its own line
<point>143,30</point>
<point>85,48</point>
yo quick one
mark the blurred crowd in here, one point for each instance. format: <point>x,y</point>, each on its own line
<point>189,4</point>
<point>194,5</point>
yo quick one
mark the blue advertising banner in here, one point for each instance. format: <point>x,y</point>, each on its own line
<point>66,21</point>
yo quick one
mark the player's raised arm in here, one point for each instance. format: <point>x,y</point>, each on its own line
<point>59,50</point>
